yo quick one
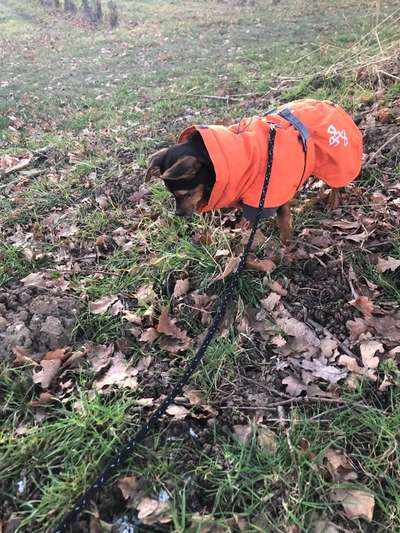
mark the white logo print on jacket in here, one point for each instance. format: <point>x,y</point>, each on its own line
<point>336,136</point>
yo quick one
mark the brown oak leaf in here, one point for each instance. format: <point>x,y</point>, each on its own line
<point>181,287</point>
<point>339,466</point>
<point>101,306</point>
<point>261,265</point>
<point>364,305</point>
<point>230,266</point>
<point>49,371</point>
<point>388,264</point>
<point>356,503</point>
<point>120,373</point>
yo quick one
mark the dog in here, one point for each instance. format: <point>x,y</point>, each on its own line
<point>213,167</point>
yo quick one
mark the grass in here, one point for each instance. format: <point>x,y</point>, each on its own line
<point>90,93</point>
<point>13,263</point>
<point>275,490</point>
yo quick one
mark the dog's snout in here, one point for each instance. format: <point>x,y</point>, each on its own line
<point>179,212</point>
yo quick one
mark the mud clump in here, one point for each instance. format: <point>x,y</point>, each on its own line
<point>35,320</point>
<point>322,295</point>
<point>122,189</point>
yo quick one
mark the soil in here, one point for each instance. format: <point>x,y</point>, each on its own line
<point>321,294</point>
<point>124,189</point>
<point>37,321</point>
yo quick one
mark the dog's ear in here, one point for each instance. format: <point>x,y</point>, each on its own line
<point>185,168</point>
<point>154,165</point>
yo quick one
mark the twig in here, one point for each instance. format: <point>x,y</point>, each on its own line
<point>389,75</point>
<point>289,401</point>
<point>20,166</point>
<point>281,414</point>
<point>83,271</point>
<point>266,387</point>
<point>328,411</point>
<point>373,156</point>
<point>210,96</point>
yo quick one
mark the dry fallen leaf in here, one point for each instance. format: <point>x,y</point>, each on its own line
<point>387,326</point>
<point>121,373</point>
<point>129,486</point>
<point>388,264</point>
<point>356,327</point>
<point>152,512</point>
<point>145,295</point>
<point>150,335</point>
<point>195,397</point>
<point>67,230</point>
<point>320,369</point>
<point>177,411</point>
<point>49,371</point>
<point>363,304</point>
<point>181,287</point>
<point>368,350</point>
<point>230,266</point>
<point>60,353</point>
<point>267,439</point>
<point>305,337</point>
<point>351,364</point>
<point>270,301</point>
<point>144,363</point>
<point>328,347</point>
<point>359,237</point>
<point>167,327</point>
<point>132,317</point>
<point>116,308</point>
<point>100,356</point>
<point>36,279</point>
<point>261,265</point>
<point>241,523</point>
<point>278,341</point>
<point>275,286</point>
<point>22,356</point>
<point>102,201</point>
<point>324,526</point>
<point>294,387</point>
<point>100,306</point>
<point>356,503</point>
<point>242,432</point>
<point>339,466</point>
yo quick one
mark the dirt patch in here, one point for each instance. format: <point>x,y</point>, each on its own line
<point>320,293</point>
<point>35,320</point>
<point>124,188</point>
<point>381,72</point>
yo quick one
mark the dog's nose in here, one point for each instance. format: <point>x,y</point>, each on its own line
<point>179,212</point>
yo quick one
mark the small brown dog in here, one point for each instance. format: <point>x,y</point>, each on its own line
<point>213,167</point>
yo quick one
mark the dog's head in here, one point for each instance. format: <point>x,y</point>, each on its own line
<point>187,172</point>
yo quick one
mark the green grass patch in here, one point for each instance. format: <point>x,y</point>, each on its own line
<point>14,264</point>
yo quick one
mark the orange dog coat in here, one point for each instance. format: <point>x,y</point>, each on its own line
<point>332,152</point>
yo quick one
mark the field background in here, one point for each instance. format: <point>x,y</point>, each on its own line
<point>291,424</point>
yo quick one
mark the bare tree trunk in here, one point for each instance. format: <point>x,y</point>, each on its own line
<point>112,6</point>
<point>98,11</point>
<point>87,10</point>
<point>69,6</point>
<point>57,4</point>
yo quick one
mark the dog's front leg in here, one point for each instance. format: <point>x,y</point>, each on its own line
<point>285,223</point>
<point>333,199</point>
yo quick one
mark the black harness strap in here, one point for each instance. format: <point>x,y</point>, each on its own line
<point>302,130</point>
<point>118,460</point>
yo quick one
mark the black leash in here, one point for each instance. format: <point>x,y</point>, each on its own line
<point>116,462</point>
